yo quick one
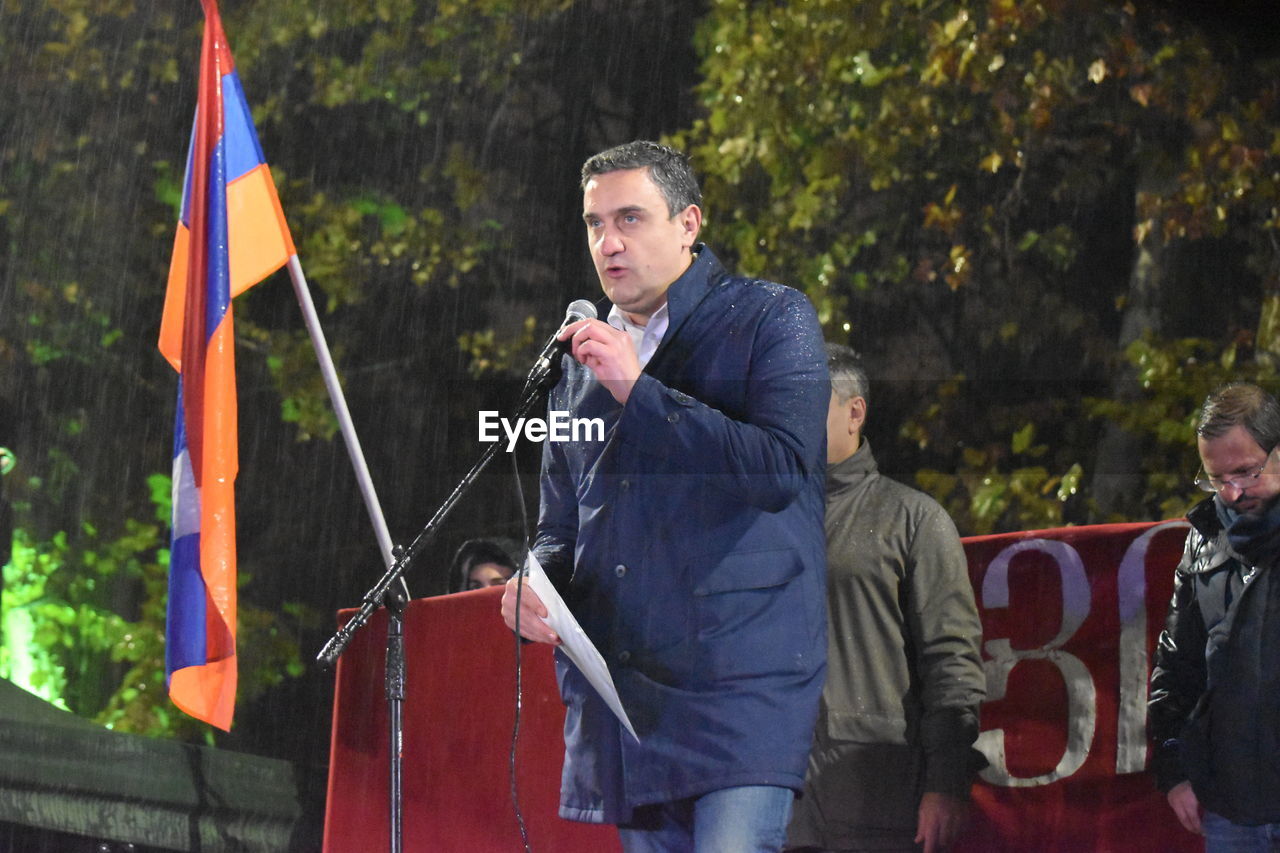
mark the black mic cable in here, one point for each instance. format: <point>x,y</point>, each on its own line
<point>515,730</point>
<point>543,366</point>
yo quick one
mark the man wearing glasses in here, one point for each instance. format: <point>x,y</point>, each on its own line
<point>1215,690</point>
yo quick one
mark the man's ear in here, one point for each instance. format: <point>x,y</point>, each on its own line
<point>690,220</point>
<point>857,414</point>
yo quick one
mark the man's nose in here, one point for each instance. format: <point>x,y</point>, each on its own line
<point>610,243</point>
<point>1231,492</point>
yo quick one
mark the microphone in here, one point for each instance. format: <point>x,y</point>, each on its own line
<point>548,361</point>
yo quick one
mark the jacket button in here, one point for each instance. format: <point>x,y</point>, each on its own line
<point>620,570</point>
<point>624,485</point>
<point>673,417</point>
<point>624,656</point>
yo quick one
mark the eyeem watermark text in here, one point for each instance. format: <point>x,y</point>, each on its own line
<point>557,427</point>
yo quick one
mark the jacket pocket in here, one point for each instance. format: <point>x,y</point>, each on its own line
<point>748,570</point>
<point>867,727</point>
<point>752,610</point>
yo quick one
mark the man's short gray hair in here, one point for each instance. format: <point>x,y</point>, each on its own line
<point>1241,404</point>
<point>669,170</point>
<point>848,378</point>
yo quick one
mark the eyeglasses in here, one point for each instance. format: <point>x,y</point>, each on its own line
<point>1243,482</point>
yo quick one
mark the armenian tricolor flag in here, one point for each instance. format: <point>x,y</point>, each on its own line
<point>231,235</point>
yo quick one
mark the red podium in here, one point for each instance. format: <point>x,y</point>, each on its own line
<point>1070,618</point>
<point>459,712</point>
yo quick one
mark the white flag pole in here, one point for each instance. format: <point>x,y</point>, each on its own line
<point>339,402</point>
<point>394,677</point>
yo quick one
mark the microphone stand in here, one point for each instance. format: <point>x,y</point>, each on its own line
<point>545,372</point>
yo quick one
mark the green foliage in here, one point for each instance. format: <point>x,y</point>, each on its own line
<point>961,134</point>
<point>73,153</point>
<point>998,485</point>
<point>960,187</point>
<point>426,80</point>
<point>61,630</point>
<point>22,659</point>
<point>492,352</point>
<point>1174,378</point>
<point>74,635</point>
<point>93,154</point>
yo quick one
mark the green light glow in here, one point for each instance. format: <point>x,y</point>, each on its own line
<point>22,659</point>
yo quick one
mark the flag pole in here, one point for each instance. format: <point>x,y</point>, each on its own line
<point>394,599</point>
<point>339,401</point>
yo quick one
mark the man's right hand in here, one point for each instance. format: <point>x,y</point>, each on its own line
<point>1186,806</point>
<point>607,352</point>
<point>532,614</point>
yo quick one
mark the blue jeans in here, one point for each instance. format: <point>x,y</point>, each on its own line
<point>747,819</point>
<point>1223,836</point>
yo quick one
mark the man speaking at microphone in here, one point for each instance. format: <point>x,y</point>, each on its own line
<point>689,543</point>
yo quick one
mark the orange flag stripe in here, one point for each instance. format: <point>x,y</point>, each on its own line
<point>258,244</point>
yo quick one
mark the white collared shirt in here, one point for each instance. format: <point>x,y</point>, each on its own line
<point>644,338</point>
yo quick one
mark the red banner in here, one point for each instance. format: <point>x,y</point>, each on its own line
<point>1070,618</point>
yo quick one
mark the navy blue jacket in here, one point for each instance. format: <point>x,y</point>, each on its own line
<point>690,546</point>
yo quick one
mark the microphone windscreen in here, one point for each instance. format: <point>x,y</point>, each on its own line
<point>580,309</point>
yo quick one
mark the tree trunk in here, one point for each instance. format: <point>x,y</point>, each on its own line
<point>1118,480</point>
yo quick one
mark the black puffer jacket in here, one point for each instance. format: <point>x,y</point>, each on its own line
<point>1214,705</point>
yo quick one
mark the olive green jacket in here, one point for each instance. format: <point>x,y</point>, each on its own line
<point>899,712</point>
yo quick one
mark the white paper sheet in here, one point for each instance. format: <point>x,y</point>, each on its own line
<point>576,644</point>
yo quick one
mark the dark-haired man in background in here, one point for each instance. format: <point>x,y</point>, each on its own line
<point>1215,688</point>
<point>893,756</point>
<point>689,542</point>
